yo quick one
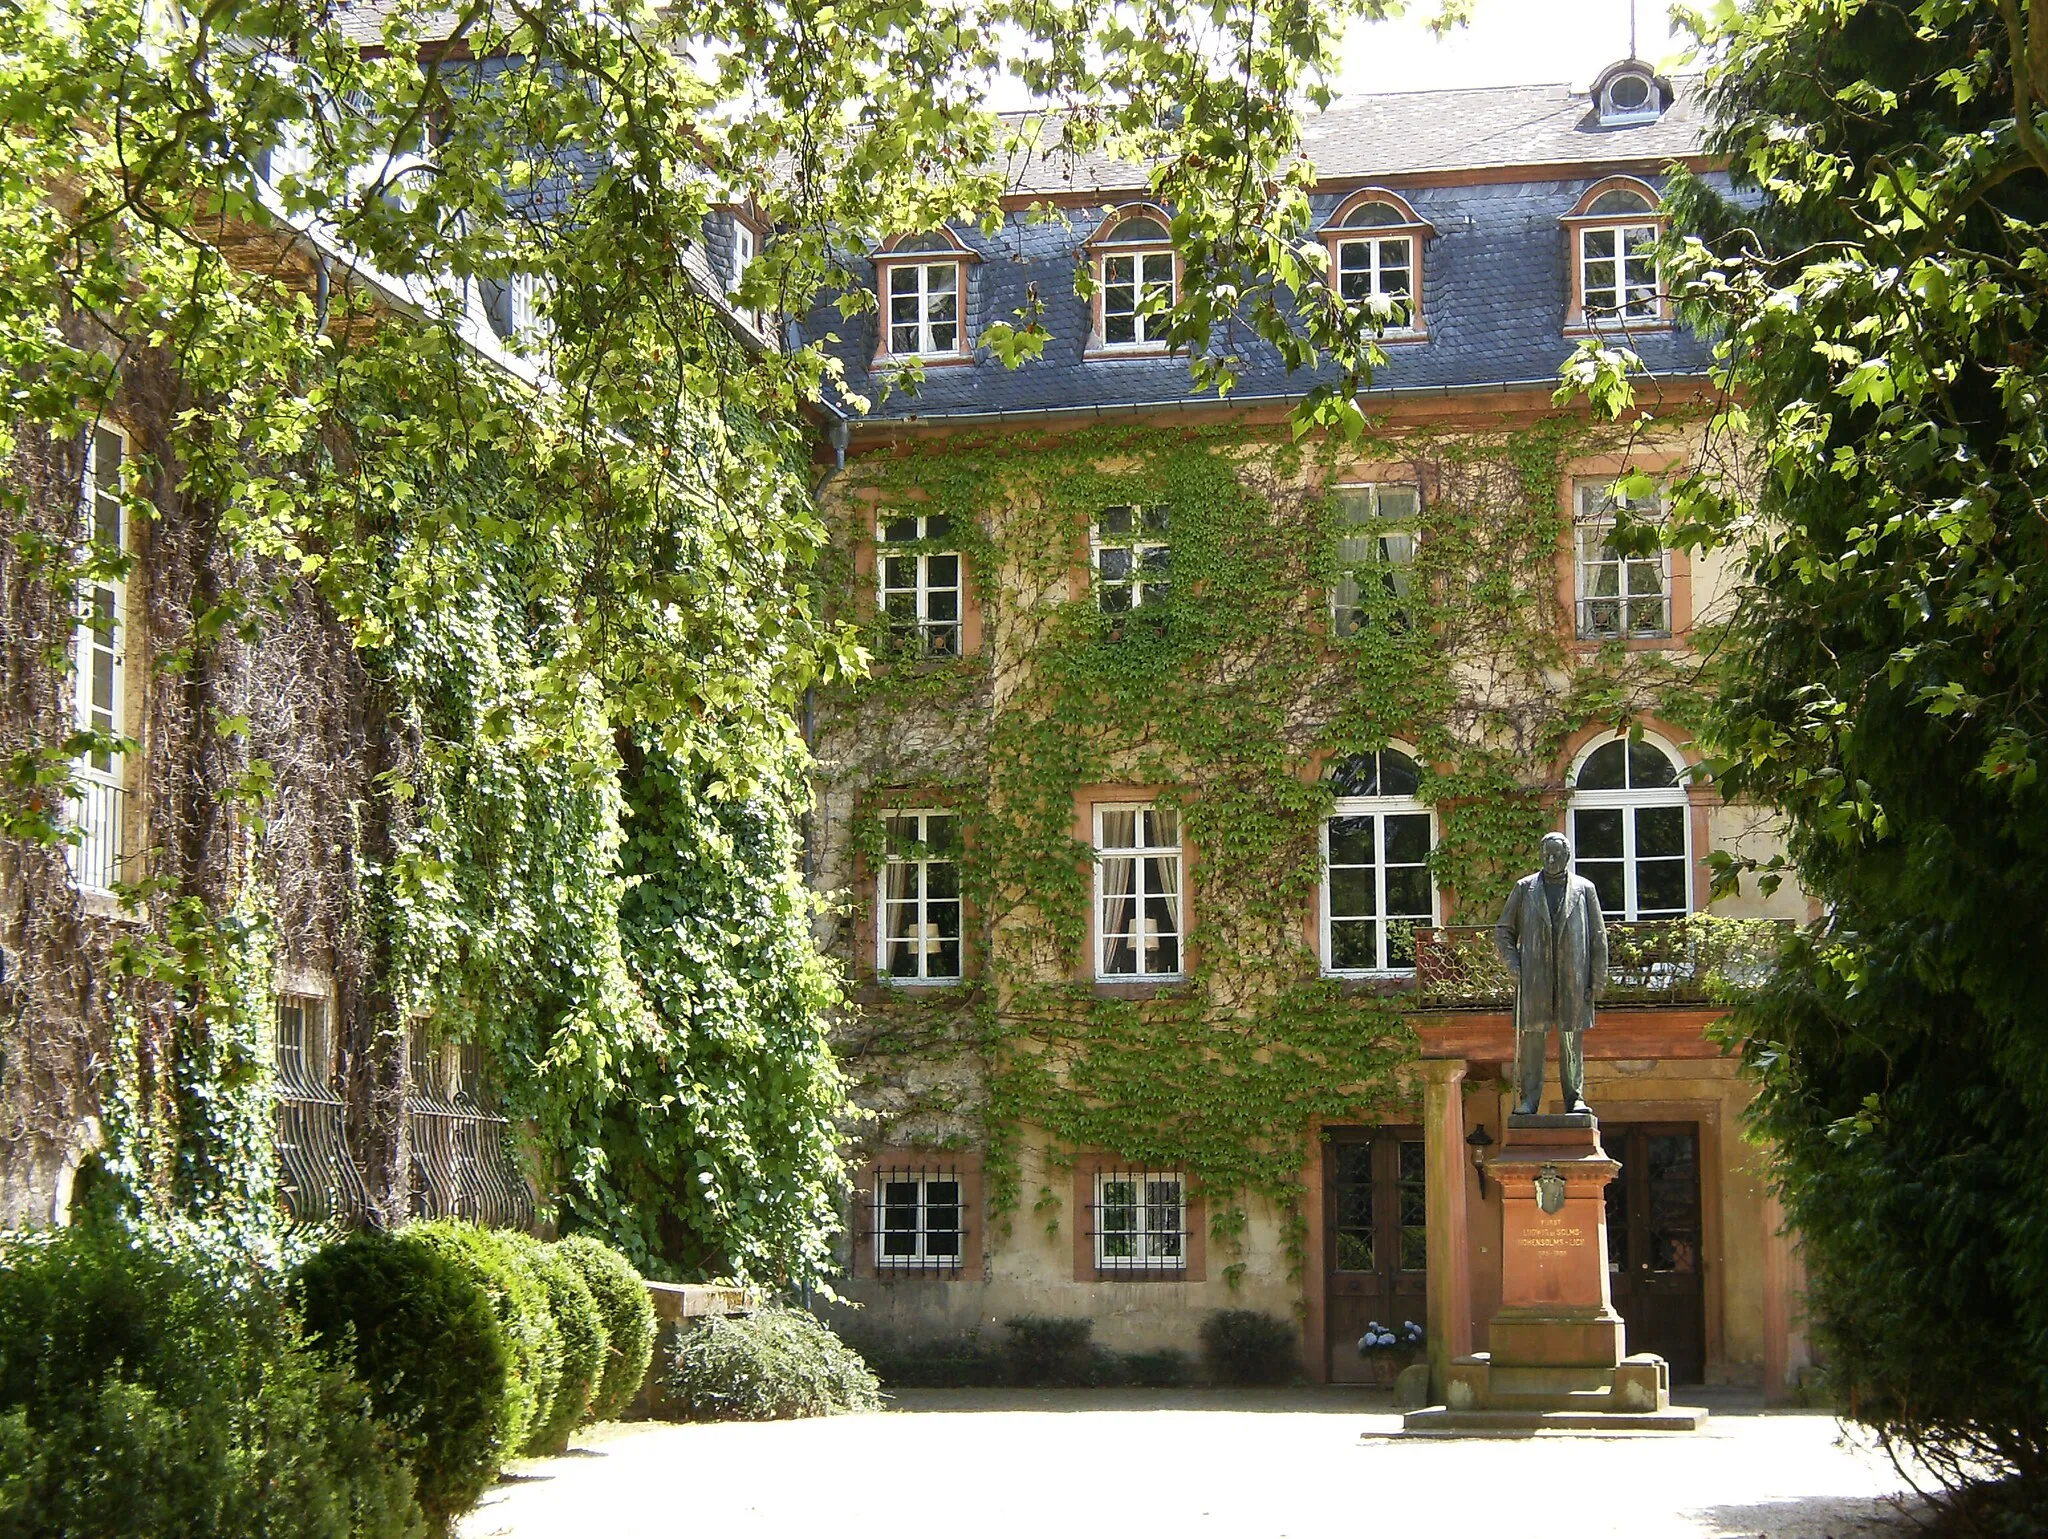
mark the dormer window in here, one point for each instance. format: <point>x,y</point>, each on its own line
<point>1375,243</point>
<point>1616,278</point>
<point>1629,92</point>
<point>1137,277</point>
<point>923,286</point>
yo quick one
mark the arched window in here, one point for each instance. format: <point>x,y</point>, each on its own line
<point>1631,829</point>
<point>1377,885</point>
<point>1615,274</point>
<point>922,282</point>
<point>1137,279</point>
<point>1372,241</point>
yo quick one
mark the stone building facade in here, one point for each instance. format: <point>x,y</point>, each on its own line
<point>1022,897</point>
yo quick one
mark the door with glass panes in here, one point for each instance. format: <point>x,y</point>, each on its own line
<point>1375,1239</point>
<point>1654,1242</point>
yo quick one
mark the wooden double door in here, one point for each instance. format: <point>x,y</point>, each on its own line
<point>1654,1252</point>
<point>1375,1245</point>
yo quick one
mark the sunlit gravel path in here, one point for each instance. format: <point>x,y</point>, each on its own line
<point>1131,1465</point>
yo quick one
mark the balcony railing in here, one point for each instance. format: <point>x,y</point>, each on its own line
<point>1604,619</point>
<point>1659,962</point>
<point>462,1159</point>
<point>95,811</point>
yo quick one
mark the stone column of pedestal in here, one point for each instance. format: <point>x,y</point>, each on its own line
<point>1557,1311</point>
<point>1449,1313</point>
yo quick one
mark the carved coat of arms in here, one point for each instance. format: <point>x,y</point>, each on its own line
<point>1549,1189</point>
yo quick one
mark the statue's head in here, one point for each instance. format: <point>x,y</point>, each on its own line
<point>1557,855</point>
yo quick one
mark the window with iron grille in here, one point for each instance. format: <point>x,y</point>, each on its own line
<point>920,897</point>
<point>1137,892</point>
<point>919,1220</point>
<point>463,1165</point>
<point>1620,596</point>
<point>1140,1221</point>
<point>924,308</point>
<point>920,587</point>
<point>1375,555</point>
<point>1131,557</point>
<point>317,1177</point>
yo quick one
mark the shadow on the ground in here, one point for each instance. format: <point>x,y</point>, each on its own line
<point>1328,1400</point>
<point>1817,1517</point>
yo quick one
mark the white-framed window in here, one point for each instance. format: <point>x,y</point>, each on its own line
<point>1377,886</point>
<point>99,668</point>
<point>919,588</point>
<point>1630,96</point>
<point>746,245</point>
<point>1378,267</point>
<point>1626,596</point>
<point>1141,1221</point>
<point>919,1220</point>
<point>1376,531</point>
<point>920,897</point>
<point>924,308</point>
<point>1138,892</point>
<point>1631,829</point>
<point>1132,552</point>
<point>1138,286</point>
<point>1619,278</point>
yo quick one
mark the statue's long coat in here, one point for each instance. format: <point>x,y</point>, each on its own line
<point>1564,964</point>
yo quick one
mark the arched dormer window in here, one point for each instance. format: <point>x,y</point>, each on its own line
<point>1616,279</point>
<point>1375,243</point>
<point>921,282</point>
<point>1137,279</point>
<point>1631,827</point>
<point>1377,887</point>
<point>1629,93</point>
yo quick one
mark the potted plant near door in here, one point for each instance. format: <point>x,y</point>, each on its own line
<point>1388,1349</point>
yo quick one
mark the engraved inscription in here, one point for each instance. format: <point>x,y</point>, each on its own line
<point>1552,1236</point>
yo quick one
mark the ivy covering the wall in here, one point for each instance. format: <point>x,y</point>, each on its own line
<point>1227,699</point>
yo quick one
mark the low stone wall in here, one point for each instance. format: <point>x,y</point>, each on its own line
<point>675,1306</point>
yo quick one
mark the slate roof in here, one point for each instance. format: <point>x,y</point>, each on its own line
<point>1409,133</point>
<point>1494,274</point>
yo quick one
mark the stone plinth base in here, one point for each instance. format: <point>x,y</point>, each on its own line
<point>1558,1358</point>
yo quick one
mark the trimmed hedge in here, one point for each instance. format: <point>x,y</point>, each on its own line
<point>1247,1346</point>
<point>621,1296</point>
<point>147,1392</point>
<point>766,1366</point>
<point>414,1319</point>
<point>584,1345</point>
<point>520,1301</point>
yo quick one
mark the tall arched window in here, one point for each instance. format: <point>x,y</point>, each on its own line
<point>1377,886</point>
<point>1631,829</point>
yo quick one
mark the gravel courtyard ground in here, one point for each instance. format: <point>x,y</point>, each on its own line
<point>1298,1464</point>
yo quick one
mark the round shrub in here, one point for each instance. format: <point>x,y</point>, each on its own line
<point>621,1295</point>
<point>517,1296</point>
<point>418,1327</point>
<point>1247,1346</point>
<point>766,1366</point>
<point>147,1391</point>
<point>583,1344</point>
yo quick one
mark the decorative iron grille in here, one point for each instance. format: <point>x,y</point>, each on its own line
<point>95,808</point>
<point>1666,961</point>
<point>918,1220</point>
<point>1138,1221</point>
<point>316,1176</point>
<point>462,1158</point>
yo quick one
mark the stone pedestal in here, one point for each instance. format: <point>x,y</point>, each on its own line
<point>1558,1357</point>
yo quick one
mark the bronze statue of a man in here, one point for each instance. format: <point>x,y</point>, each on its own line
<point>1554,941</point>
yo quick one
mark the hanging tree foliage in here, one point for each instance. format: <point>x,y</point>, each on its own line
<point>572,594</point>
<point>1880,278</point>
